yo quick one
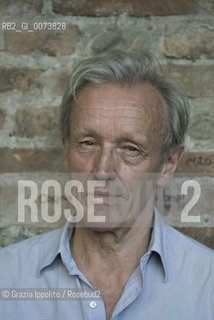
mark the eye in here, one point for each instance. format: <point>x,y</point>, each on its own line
<point>87,142</point>
<point>87,145</point>
<point>131,150</point>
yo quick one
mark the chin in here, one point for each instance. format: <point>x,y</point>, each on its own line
<point>105,219</point>
<point>107,226</point>
<point>99,226</point>
<point>102,229</point>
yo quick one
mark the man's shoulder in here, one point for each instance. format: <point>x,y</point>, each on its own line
<point>189,250</point>
<point>29,249</point>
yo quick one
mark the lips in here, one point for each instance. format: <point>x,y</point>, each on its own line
<point>107,197</point>
<point>105,194</point>
<point>102,194</point>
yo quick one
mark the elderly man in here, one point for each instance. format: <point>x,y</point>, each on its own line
<point>123,127</point>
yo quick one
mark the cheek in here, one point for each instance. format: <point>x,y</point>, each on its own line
<point>80,164</point>
<point>134,172</point>
<point>136,178</point>
<point>128,175</point>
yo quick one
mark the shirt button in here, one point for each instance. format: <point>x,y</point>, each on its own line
<point>93,304</point>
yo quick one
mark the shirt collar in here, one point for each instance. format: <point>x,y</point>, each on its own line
<point>158,241</point>
<point>56,243</point>
<point>59,244</point>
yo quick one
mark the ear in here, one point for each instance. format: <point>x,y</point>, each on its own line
<point>66,155</point>
<point>170,165</point>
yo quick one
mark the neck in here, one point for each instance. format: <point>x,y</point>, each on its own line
<point>120,245</point>
<point>109,258</point>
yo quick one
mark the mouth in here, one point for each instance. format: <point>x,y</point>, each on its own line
<point>106,196</point>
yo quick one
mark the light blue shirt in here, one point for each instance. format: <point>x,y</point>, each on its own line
<point>174,280</point>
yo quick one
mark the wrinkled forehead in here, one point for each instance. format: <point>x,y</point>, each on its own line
<point>140,106</point>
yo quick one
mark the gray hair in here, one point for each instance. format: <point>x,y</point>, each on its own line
<point>118,66</point>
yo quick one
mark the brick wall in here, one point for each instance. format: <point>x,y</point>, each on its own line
<point>35,67</point>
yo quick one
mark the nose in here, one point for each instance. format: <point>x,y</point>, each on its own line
<point>104,168</point>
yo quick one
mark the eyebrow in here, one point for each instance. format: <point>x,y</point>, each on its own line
<point>127,136</point>
<point>87,131</point>
<point>132,138</point>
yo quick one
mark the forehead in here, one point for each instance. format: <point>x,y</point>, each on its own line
<point>111,107</point>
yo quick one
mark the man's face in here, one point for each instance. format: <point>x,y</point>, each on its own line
<point>117,135</point>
